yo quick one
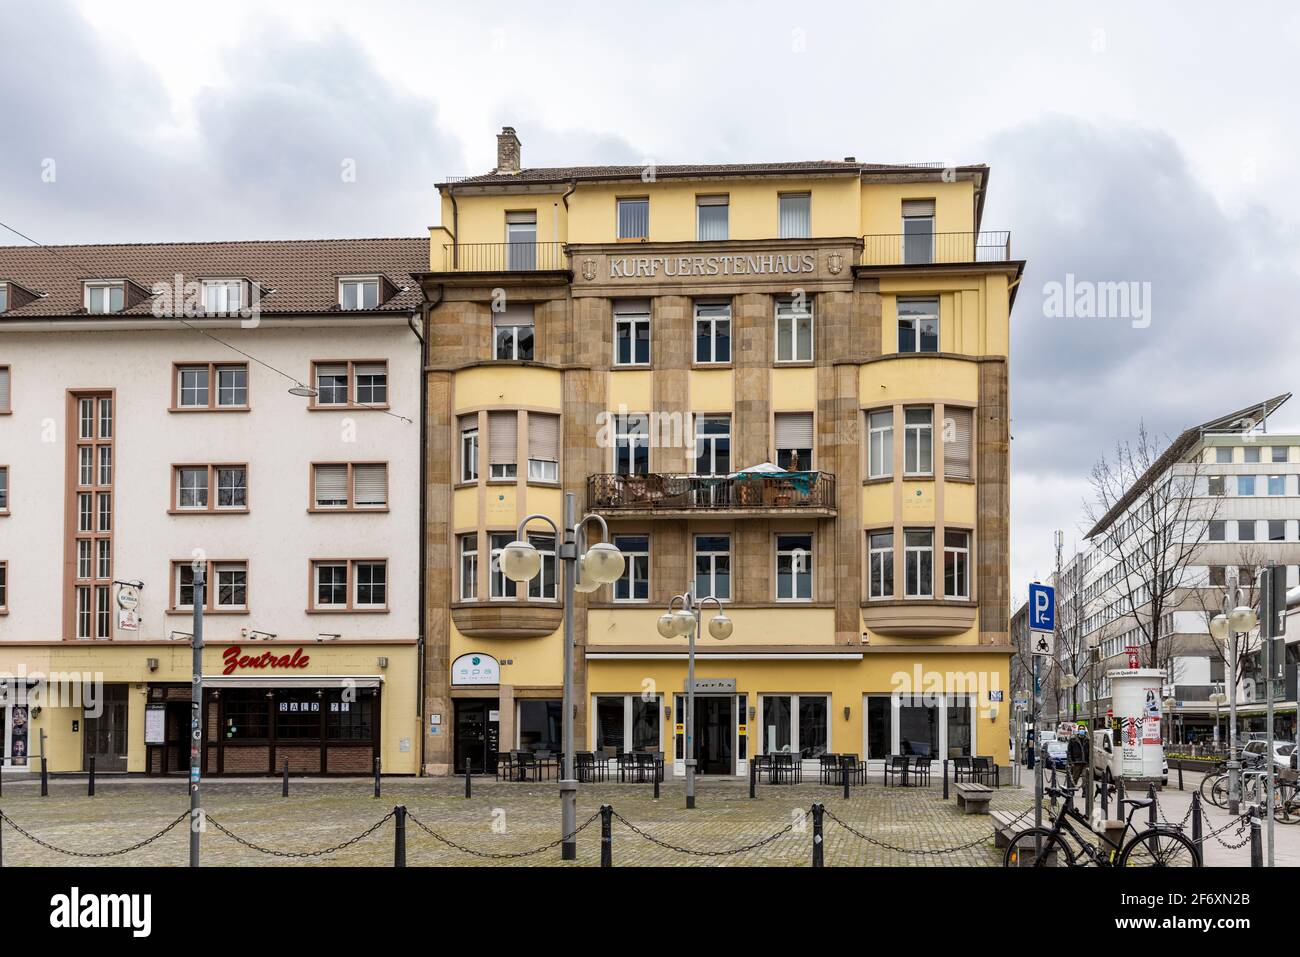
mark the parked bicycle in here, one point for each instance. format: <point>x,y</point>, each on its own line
<point>1064,845</point>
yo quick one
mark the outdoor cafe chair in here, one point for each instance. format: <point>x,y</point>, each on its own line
<point>857,769</point>
<point>961,769</point>
<point>920,769</point>
<point>896,767</point>
<point>829,767</point>
<point>626,765</point>
<point>984,770</point>
<point>505,766</point>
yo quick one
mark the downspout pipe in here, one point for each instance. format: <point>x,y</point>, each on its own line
<point>455,234</point>
<point>422,334</point>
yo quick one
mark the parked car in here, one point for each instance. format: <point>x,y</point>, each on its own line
<point>1055,754</point>
<point>1252,754</point>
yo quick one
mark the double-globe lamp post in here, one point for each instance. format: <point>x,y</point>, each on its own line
<point>1226,626</point>
<point>685,623</point>
<point>602,564</point>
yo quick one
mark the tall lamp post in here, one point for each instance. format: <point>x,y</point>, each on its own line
<point>685,623</point>
<point>599,565</point>
<point>1234,619</point>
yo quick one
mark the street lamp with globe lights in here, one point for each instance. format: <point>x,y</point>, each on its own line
<point>584,571</point>
<point>685,623</point>
<point>1236,618</point>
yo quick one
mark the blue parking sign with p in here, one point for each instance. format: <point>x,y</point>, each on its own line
<point>1042,607</point>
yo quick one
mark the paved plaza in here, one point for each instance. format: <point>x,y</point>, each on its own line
<point>909,826</point>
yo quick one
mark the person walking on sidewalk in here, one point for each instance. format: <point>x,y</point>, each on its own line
<point>1076,755</point>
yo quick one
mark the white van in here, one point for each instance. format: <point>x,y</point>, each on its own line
<point>1107,760</point>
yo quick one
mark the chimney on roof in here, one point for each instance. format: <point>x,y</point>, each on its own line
<point>850,159</point>
<point>507,150</point>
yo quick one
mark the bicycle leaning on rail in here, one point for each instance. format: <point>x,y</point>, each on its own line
<point>1062,844</point>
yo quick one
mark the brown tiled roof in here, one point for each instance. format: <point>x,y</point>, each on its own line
<point>564,174</point>
<point>302,273</point>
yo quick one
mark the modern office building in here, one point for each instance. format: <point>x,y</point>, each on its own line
<point>250,407</point>
<point>784,385</point>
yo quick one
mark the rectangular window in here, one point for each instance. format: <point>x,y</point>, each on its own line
<point>543,447</point>
<point>192,487</point>
<point>918,567</point>
<point>795,724</point>
<point>231,585</point>
<point>331,485</point>
<point>712,444</point>
<point>1277,485</point>
<point>4,296</point>
<point>1251,453</point>
<point>350,384</point>
<point>1245,485</point>
<point>222,296</point>
<point>1223,455</point>
<point>713,566</point>
<point>1246,531</point>
<point>232,386</point>
<point>521,240</point>
<point>513,332</point>
<point>4,489</point>
<point>225,588</point>
<point>794,330</point>
<point>1216,485</point>
<point>632,332</point>
<point>956,564</point>
<point>1278,453</point>
<point>499,586</point>
<point>918,325</point>
<point>345,486</point>
<point>880,443</point>
<point>331,584</point>
<point>372,382</point>
<point>959,725</point>
<point>794,568</point>
<point>795,215</point>
<point>83,611</point>
<point>711,218</point>
<point>104,298</point>
<point>1277,530</point>
<point>370,486</point>
<point>634,218</point>
<point>1218,576</point>
<point>880,727</point>
<point>712,332</point>
<point>503,445</point>
<point>542,586</point>
<point>631,444</point>
<point>634,585</point>
<point>918,231</point>
<point>4,586</point>
<point>468,548</point>
<point>794,440</point>
<point>956,442</point>
<point>6,404</point>
<point>212,386</point>
<point>918,440</point>
<point>1216,531</point>
<point>195,483</point>
<point>358,293</point>
<point>372,584</point>
<point>880,550</point>
<point>469,448</point>
<point>192,387</point>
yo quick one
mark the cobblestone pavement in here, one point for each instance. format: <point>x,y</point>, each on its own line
<point>525,816</point>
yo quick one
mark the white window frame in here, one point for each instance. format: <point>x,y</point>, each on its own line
<point>108,286</point>
<point>961,555</point>
<point>469,455</point>
<point>514,328</point>
<point>316,569</point>
<point>880,444</point>
<point>710,440</point>
<point>711,200</point>
<point>509,591</point>
<point>543,470</point>
<point>467,552</point>
<point>216,296</point>
<point>886,554</point>
<point>920,552</point>
<point>914,322</point>
<point>786,312</point>
<point>228,568</point>
<point>913,436</point>
<point>618,215</point>
<point>360,283</point>
<point>781,198</point>
<point>713,323</point>
<point>794,722</point>
<point>549,561</point>
<point>354,574</point>
<point>792,553</point>
<point>181,488</point>
<point>713,563</point>
<point>630,573</point>
<point>633,320</point>
<point>626,438</point>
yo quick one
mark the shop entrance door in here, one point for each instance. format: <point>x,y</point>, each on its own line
<point>715,728</point>
<point>105,736</point>
<point>477,735</point>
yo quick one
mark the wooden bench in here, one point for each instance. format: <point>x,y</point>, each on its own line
<point>1006,825</point>
<point>974,798</point>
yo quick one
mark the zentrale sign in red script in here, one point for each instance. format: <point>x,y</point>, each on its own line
<point>268,659</point>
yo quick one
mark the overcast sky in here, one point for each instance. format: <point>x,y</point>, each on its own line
<point>1142,143</point>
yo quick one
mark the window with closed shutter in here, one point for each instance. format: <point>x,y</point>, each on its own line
<point>544,437</point>
<point>957,443</point>
<point>503,438</point>
<point>331,486</point>
<point>918,207</point>
<point>4,388</point>
<point>794,440</point>
<point>370,485</point>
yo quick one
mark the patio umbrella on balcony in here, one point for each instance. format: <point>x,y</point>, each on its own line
<point>801,482</point>
<point>762,470</point>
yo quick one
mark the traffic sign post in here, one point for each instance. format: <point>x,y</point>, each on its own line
<point>1042,642</point>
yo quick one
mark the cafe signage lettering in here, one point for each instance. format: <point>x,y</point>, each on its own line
<point>760,264</point>
<point>234,661</point>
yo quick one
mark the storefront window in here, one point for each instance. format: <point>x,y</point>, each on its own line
<point>247,714</point>
<point>959,726</point>
<point>880,727</point>
<point>350,720</point>
<point>813,729</point>
<point>609,722</point>
<point>297,714</point>
<point>645,723</point>
<point>776,723</point>
<point>539,725</point>
<point>918,727</point>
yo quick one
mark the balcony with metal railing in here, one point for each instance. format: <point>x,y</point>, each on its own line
<point>504,257</point>
<point>924,248</point>
<point>677,496</point>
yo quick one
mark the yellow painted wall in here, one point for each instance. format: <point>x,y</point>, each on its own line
<point>632,390</point>
<point>482,219</point>
<point>925,377</point>
<point>534,661</point>
<point>711,390</point>
<point>753,626</point>
<point>882,206</point>
<point>794,390</point>
<point>484,386</point>
<point>959,503</point>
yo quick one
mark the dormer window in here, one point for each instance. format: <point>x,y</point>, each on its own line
<point>105,297</point>
<point>222,297</point>
<point>359,292</point>
<point>4,296</point>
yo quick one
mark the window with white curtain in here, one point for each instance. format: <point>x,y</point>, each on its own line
<point>794,329</point>
<point>634,218</point>
<point>796,215</point>
<point>222,296</point>
<point>880,443</point>
<point>711,218</point>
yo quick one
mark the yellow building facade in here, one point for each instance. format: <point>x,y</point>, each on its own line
<point>782,385</point>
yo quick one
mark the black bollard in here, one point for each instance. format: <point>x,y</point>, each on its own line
<point>1196,824</point>
<point>1180,775</point>
<point>1105,800</point>
<point>844,771</point>
<point>376,777</point>
<point>45,778</point>
<point>657,773</point>
<point>284,784</point>
<point>606,836</point>
<point>90,780</point>
<point>1153,816</point>
<point>399,836</point>
<point>469,790</point>
<point>1119,799</point>
<point>1256,841</point>
<point>817,812</point>
<point>945,779</point>
<point>753,777</point>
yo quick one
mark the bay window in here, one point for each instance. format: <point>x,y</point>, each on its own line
<point>918,440</point>
<point>918,563</point>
